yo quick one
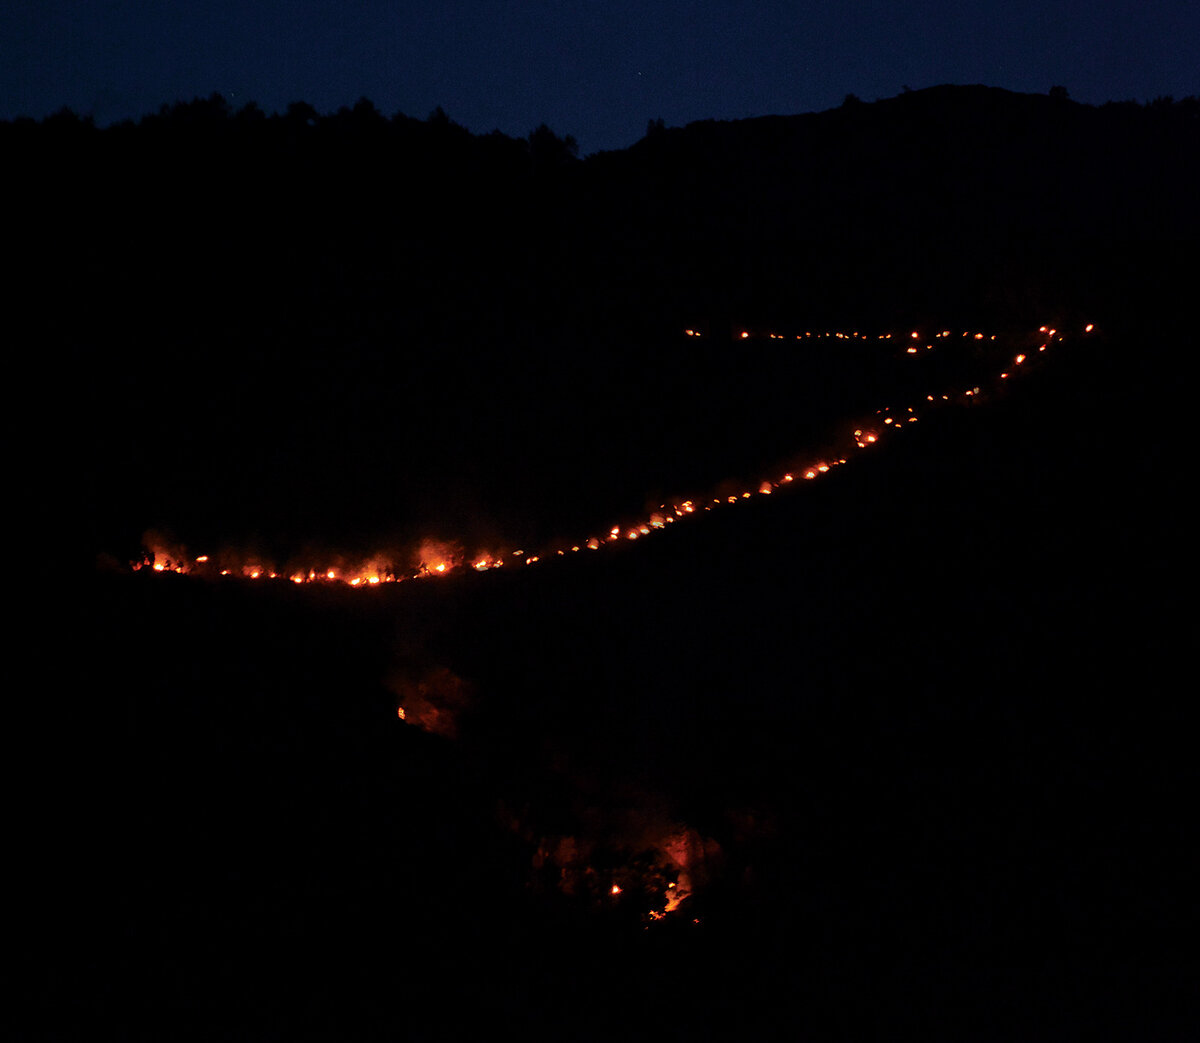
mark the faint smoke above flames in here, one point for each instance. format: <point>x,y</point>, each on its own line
<point>433,699</point>
<point>437,557</point>
<point>638,858</point>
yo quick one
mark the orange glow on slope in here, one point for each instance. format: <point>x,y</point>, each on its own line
<point>437,558</point>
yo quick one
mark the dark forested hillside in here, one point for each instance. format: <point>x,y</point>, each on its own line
<point>910,737</point>
<point>423,224</point>
<point>352,283</point>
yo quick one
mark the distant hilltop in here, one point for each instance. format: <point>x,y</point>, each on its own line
<point>1006,203</point>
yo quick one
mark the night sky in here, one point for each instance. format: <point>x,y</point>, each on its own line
<point>596,70</point>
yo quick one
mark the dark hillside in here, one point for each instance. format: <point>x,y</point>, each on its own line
<point>924,712</point>
<point>901,750</point>
<point>325,299</point>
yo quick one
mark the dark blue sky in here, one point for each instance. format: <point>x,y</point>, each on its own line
<point>598,69</point>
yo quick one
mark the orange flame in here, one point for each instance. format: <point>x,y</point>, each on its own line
<point>438,558</point>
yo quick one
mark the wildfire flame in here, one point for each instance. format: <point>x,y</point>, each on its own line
<point>435,558</point>
<point>431,701</point>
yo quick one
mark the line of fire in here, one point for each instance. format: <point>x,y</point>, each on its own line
<point>427,703</point>
<point>441,557</point>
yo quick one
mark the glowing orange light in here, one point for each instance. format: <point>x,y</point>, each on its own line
<point>381,571</point>
<point>400,712</point>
